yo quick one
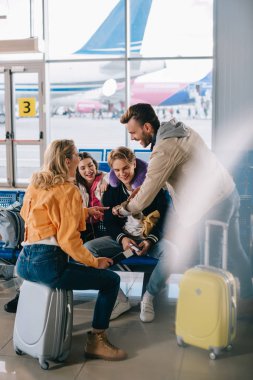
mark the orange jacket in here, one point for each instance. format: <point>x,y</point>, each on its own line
<point>57,212</point>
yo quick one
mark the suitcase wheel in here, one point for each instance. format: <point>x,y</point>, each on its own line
<point>18,351</point>
<point>180,342</point>
<point>212,355</point>
<point>229,347</point>
<point>44,365</point>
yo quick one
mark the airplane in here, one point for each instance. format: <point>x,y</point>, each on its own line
<point>161,83</point>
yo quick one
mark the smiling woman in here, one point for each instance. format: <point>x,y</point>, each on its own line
<point>53,215</point>
<point>92,184</point>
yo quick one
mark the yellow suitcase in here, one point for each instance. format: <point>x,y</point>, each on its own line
<point>206,307</point>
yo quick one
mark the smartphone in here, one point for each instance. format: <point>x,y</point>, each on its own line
<point>122,255</point>
<point>134,248</point>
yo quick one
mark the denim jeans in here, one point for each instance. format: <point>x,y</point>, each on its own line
<point>164,251</point>
<point>238,262</point>
<point>48,264</point>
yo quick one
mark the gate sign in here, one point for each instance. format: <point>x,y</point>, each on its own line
<point>27,107</point>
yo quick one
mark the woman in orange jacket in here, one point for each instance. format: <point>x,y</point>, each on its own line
<point>54,216</point>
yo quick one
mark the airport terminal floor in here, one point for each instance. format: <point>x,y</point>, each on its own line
<point>152,348</point>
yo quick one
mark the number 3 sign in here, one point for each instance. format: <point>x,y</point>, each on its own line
<point>27,107</point>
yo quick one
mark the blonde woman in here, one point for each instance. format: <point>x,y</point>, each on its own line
<point>54,216</point>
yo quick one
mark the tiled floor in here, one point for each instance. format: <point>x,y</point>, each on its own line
<point>152,347</point>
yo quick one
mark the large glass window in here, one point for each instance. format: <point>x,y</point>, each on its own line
<point>2,107</point>
<point>175,28</point>
<point>25,88</point>
<point>169,53</point>
<point>21,19</point>
<point>27,161</point>
<point>15,13</point>
<point>103,56</point>
<point>86,101</point>
<point>3,166</point>
<point>80,28</point>
<point>180,88</point>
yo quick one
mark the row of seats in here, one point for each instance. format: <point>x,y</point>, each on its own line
<point>8,197</point>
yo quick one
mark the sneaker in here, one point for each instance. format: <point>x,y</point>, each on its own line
<point>120,308</point>
<point>99,347</point>
<point>6,271</point>
<point>11,306</point>
<point>147,311</point>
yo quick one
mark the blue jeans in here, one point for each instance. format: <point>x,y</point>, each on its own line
<point>164,251</point>
<point>48,264</point>
<point>238,262</point>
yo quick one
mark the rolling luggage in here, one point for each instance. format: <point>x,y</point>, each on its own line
<point>206,307</point>
<point>43,323</point>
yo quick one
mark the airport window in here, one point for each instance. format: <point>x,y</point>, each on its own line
<point>86,29</point>
<point>95,72</point>
<point>176,88</point>
<point>11,12</point>
<point>84,107</point>
<point>20,19</point>
<point>3,167</point>
<point>181,28</point>
<point>170,66</point>
<point>2,107</point>
<point>27,161</point>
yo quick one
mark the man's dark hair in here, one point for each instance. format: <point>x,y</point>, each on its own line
<point>143,113</point>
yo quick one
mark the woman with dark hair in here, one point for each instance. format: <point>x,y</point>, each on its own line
<point>92,184</point>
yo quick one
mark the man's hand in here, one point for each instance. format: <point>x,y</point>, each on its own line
<point>116,211</point>
<point>104,262</point>
<point>120,210</point>
<point>144,247</point>
<point>97,212</point>
<point>126,243</point>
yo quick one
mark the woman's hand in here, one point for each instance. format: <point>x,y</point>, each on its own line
<point>104,262</point>
<point>97,212</point>
<point>103,187</point>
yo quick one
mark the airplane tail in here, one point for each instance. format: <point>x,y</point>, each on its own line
<point>109,39</point>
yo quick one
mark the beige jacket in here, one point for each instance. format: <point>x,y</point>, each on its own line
<point>57,212</point>
<point>194,177</point>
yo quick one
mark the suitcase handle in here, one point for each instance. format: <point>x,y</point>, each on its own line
<point>224,227</point>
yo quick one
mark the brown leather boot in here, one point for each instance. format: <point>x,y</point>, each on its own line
<point>98,347</point>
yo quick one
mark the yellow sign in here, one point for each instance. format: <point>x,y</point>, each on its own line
<point>27,107</point>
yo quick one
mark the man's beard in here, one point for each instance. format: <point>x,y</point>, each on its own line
<point>146,139</point>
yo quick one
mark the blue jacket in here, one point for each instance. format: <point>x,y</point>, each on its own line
<point>114,196</point>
